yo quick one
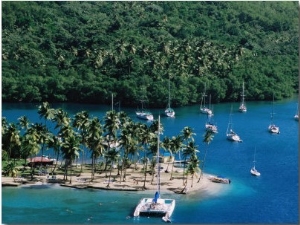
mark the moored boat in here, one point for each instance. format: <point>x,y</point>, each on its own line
<point>169,112</point>
<point>203,108</point>
<point>243,107</point>
<point>145,115</point>
<point>272,127</point>
<point>230,134</point>
<point>156,205</point>
<point>253,170</point>
<point>219,179</point>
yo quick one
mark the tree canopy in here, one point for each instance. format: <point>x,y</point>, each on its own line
<point>71,51</point>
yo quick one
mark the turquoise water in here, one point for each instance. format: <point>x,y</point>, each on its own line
<point>268,199</point>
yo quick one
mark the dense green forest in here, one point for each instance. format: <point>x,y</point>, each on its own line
<point>85,51</point>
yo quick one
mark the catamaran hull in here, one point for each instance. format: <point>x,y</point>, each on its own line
<point>147,206</point>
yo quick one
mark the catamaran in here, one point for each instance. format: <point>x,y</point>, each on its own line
<point>156,205</point>
<point>243,107</point>
<point>169,111</point>
<point>203,108</point>
<point>272,127</point>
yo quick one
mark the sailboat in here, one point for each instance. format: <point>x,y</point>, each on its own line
<point>203,108</point>
<point>296,117</point>
<point>272,127</point>
<point>253,170</point>
<point>209,125</point>
<point>231,135</point>
<point>169,111</point>
<point>243,107</point>
<point>156,205</point>
<point>144,114</point>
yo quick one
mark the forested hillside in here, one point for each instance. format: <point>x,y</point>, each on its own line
<point>85,51</point>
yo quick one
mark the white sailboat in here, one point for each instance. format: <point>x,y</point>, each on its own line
<point>156,205</point>
<point>253,170</point>
<point>230,134</point>
<point>203,108</point>
<point>142,113</point>
<point>243,107</point>
<point>210,125</point>
<point>272,127</point>
<point>169,111</point>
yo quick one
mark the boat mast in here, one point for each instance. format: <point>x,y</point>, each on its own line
<point>272,114</point>
<point>254,158</point>
<point>112,102</point>
<point>203,98</point>
<point>229,127</point>
<point>157,158</point>
<point>169,101</point>
<point>243,94</point>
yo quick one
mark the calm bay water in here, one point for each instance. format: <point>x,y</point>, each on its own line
<point>268,199</point>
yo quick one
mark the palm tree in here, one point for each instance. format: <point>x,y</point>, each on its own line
<point>95,141</point>
<point>61,118</point>
<point>54,142</point>
<point>193,166</point>
<point>11,139</point>
<point>4,126</point>
<point>70,151</point>
<point>176,145</point>
<point>187,135</point>
<point>127,141</point>
<point>24,122</point>
<point>111,126</point>
<point>112,156</point>
<point>167,145</point>
<point>81,122</point>
<point>43,133</point>
<point>31,145</point>
<point>46,112</point>
<point>208,137</point>
<point>145,136</point>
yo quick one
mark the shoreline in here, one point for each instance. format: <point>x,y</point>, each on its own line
<point>134,182</point>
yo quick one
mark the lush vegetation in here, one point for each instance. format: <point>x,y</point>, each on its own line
<point>84,51</point>
<point>115,140</point>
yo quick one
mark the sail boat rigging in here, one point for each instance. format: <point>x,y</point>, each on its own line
<point>272,127</point>
<point>243,107</point>
<point>209,125</point>
<point>253,170</point>
<point>156,205</point>
<point>203,108</point>
<point>296,117</point>
<point>169,111</point>
<point>144,114</point>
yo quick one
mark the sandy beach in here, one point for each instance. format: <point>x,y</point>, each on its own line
<point>134,181</point>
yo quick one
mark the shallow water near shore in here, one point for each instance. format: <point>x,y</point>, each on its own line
<point>268,199</point>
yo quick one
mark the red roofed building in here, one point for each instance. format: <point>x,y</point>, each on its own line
<point>40,161</point>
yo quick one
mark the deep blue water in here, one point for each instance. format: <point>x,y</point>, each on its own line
<point>271,198</point>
